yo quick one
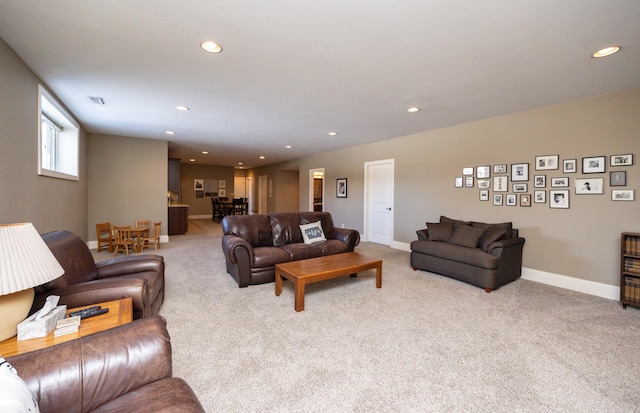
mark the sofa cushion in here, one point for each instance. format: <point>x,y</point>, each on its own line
<point>312,233</point>
<point>331,246</point>
<point>471,256</point>
<point>493,233</point>
<point>300,251</point>
<point>439,232</point>
<point>465,235</point>
<point>269,256</point>
<point>451,221</point>
<point>255,229</point>
<point>285,228</point>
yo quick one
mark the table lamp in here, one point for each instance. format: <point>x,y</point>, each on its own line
<point>25,262</point>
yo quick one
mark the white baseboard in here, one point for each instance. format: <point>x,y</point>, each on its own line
<point>612,292</point>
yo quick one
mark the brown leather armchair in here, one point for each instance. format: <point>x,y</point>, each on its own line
<point>85,282</point>
<point>125,369</point>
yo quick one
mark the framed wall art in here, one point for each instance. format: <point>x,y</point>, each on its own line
<point>497,199</point>
<point>519,172</point>
<point>589,186</point>
<point>622,195</point>
<point>520,187</point>
<point>559,199</point>
<point>618,178</point>
<point>467,171</point>
<point>621,160</point>
<point>540,197</point>
<point>468,181</point>
<point>500,169</point>
<point>484,183</point>
<point>198,184</point>
<point>559,182</point>
<point>484,195</point>
<point>500,184</point>
<point>593,165</point>
<point>539,181</point>
<point>512,199</point>
<point>569,166</point>
<point>483,172</point>
<point>341,187</point>
<point>545,162</point>
<point>458,182</point>
<point>222,183</point>
<point>525,200</point>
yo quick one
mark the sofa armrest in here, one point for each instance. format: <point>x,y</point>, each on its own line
<point>231,243</point>
<point>423,234</point>
<point>351,237</point>
<point>500,247</point>
<point>83,374</point>
<point>129,265</point>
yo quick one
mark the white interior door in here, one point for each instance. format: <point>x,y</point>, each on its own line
<point>379,201</point>
<point>249,185</point>
<point>262,194</point>
<point>239,187</point>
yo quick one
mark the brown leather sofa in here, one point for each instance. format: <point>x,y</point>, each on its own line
<point>254,244</point>
<point>85,282</point>
<point>485,255</point>
<point>125,369</point>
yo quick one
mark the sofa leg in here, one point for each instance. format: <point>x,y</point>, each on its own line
<point>354,275</point>
<point>414,268</point>
<point>488,290</point>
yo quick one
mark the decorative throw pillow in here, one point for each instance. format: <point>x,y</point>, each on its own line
<point>490,236</point>
<point>465,235</point>
<point>15,396</point>
<point>312,233</point>
<point>439,232</point>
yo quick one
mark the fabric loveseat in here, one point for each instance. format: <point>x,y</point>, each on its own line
<point>124,369</point>
<point>254,244</point>
<point>485,255</point>
<point>84,282</point>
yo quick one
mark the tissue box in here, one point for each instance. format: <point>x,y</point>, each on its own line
<point>32,328</point>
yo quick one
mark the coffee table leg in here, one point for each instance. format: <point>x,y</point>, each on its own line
<point>278,283</point>
<point>379,276</point>
<point>299,303</point>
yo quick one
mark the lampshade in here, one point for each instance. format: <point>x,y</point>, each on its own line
<point>25,262</point>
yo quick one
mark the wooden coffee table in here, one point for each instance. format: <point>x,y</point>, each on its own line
<point>120,312</point>
<point>312,270</point>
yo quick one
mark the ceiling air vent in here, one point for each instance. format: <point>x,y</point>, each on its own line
<point>95,99</point>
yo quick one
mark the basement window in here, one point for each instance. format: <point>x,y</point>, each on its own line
<point>59,139</point>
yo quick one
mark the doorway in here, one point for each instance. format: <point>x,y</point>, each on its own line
<point>316,189</point>
<point>378,199</point>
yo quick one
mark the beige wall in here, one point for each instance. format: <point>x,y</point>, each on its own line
<point>189,172</point>
<point>48,203</point>
<point>581,242</point>
<point>285,187</point>
<point>127,181</point>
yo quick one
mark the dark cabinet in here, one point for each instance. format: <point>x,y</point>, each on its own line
<point>178,222</point>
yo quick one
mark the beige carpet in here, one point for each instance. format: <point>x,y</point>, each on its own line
<point>421,343</point>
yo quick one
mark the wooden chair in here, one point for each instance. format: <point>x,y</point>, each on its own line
<point>155,237</point>
<point>122,238</point>
<point>142,223</point>
<point>217,210</point>
<point>105,235</point>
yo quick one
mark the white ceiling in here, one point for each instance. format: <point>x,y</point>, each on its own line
<point>292,71</point>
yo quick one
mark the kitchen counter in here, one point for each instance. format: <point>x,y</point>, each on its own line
<point>178,219</point>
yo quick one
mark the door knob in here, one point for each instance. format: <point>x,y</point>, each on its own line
<point>388,209</point>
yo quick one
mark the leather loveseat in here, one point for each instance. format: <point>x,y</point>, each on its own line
<point>85,282</point>
<point>254,244</point>
<point>485,255</point>
<point>124,369</point>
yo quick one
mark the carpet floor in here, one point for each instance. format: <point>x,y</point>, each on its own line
<point>421,343</point>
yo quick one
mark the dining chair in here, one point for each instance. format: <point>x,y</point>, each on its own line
<point>122,238</point>
<point>105,235</point>
<point>154,238</point>
<point>237,207</point>
<point>217,212</point>
<point>143,223</point>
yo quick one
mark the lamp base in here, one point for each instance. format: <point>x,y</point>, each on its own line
<point>14,308</point>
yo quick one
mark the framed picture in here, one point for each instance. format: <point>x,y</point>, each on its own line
<point>458,182</point>
<point>497,199</point>
<point>483,172</point>
<point>519,187</point>
<point>545,162</point>
<point>621,160</point>
<point>467,171</point>
<point>512,200</point>
<point>468,181</point>
<point>622,195</point>
<point>199,194</point>
<point>569,166</point>
<point>341,187</point>
<point>500,184</point>
<point>198,184</point>
<point>559,182</point>
<point>519,172</point>
<point>500,169</point>
<point>540,197</point>
<point>559,199</point>
<point>222,183</point>
<point>222,193</point>
<point>484,195</point>
<point>588,186</point>
<point>525,200</point>
<point>618,178</point>
<point>593,165</point>
<point>484,183</point>
<point>539,181</point>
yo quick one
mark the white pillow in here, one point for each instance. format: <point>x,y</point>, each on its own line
<point>312,233</point>
<point>15,396</point>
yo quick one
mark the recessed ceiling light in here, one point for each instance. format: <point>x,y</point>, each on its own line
<point>413,110</point>
<point>240,163</point>
<point>183,108</point>
<point>192,160</point>
<point>170,132</point>
<point>211,47</point>
<point>205,153</point>
<point>607,51</point>
<point>288,146</point>
<point>333,133</point>
<point>262,157</point>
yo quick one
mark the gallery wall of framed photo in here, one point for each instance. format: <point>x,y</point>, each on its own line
<point>550,180</point>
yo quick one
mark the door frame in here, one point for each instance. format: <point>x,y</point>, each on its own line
<point>367,184</point>
<point>324,180</point>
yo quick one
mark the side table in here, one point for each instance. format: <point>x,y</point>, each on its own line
<point>120,312</point>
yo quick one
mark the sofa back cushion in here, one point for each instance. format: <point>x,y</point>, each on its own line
<point>465,235</point>
<point>439,231</point>
<point>255,229</point>
<point>285,227</point>
<point>74,256</point>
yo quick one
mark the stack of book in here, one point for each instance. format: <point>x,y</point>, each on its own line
<point>67,325</point>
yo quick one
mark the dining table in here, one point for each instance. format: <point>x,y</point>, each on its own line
<point>140,233</point>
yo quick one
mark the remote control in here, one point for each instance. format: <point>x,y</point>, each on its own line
<point>84,310</point>
<point>93,313</point>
